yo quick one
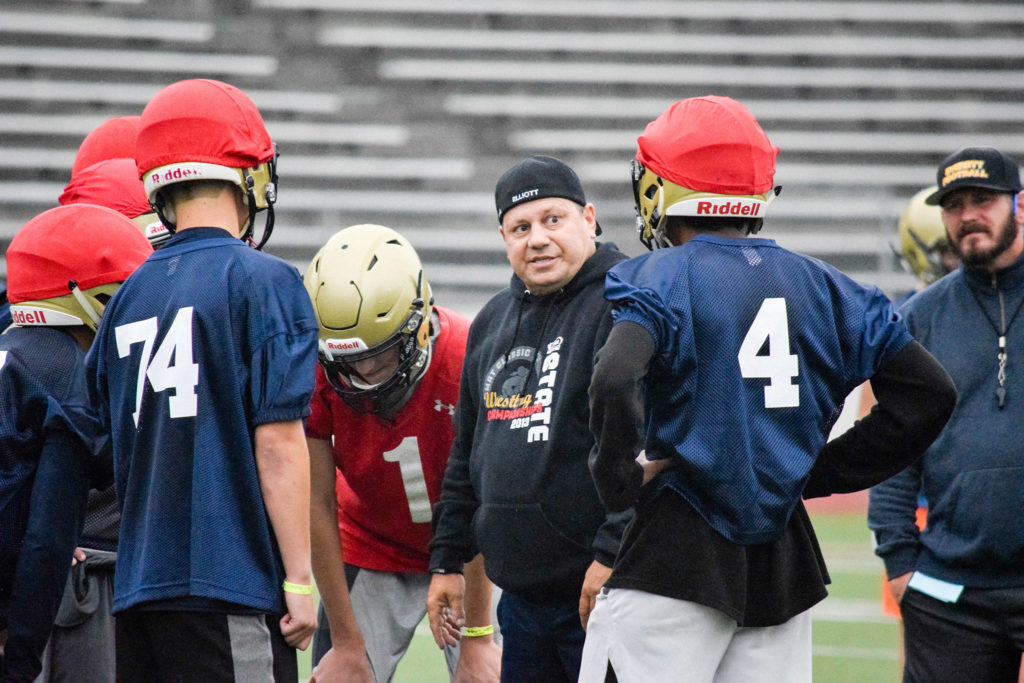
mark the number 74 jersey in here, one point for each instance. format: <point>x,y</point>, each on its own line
<point>756,348</point>
<point>204,342</point>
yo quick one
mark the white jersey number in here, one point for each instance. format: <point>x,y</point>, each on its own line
<point>171,367</point>
<point>779,366</point>
<point>407,455</point>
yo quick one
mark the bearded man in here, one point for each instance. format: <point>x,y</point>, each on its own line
<point>960,581</point>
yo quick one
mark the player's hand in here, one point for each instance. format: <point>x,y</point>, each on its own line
<point>343,665</point>
<point>479,661</point>
<point>652,468</point>
<point>596,575</point>
<point>78,556</point>
<point>298,625</point>
<point>898,586</point>
<point>444,608</point>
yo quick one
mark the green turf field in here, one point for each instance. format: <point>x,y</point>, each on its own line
<point>853,641</point>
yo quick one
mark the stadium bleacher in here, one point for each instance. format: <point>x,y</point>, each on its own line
<point>404,113</point>
<point>85,94</point>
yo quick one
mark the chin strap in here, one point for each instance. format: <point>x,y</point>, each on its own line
<point>83,302</point>
<point>268,228</point>
<point>164,213</point>
<point>250,200</point>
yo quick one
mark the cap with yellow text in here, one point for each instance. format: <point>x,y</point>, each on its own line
<point>976,167</point>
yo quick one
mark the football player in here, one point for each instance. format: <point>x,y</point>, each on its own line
<point>736,354</point>
<point>379,437</point>
<point>925,250</point>
<point>62,268</point>
<point>83,636</point>
<point>204,369</point>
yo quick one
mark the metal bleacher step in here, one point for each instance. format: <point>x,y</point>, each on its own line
<point>879,145</point>
<point>630,45</point>
<point>761,78</point>
<point>188,63</point>
<point>82,25</point>
<point>524,105</point>
<point>307,132</point>
<point>83,93</point>
<point>914,13</point>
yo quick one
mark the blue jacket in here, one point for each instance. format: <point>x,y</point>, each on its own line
<point>973,474</point>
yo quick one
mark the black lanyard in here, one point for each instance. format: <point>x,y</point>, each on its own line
<point>1000,331</point>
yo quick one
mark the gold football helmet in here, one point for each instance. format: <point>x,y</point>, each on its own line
<point>373,305</point>
<point>924,245</point>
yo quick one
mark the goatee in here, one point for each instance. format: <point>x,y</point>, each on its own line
<point>982,258</point>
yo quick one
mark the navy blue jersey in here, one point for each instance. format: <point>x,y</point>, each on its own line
<point>205,341</point>
<point>756,349</point>
<point>42,387</point>
<point>48,444</point>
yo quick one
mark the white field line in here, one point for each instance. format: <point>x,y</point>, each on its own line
<point>872,653</point>
<point>851,610</point>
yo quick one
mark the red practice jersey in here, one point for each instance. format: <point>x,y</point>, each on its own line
<point>389,473</point>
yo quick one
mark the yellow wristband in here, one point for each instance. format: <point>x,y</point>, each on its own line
<point>297,588</point>
<point>477,631</point>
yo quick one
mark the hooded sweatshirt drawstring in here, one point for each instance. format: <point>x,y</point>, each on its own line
<point>519,319</point>
<point>548,306</point>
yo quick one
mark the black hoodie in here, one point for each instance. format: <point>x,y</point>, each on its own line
<point>517,487</point>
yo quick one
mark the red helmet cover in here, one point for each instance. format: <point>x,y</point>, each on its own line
<point>202,120</point>
<point>710,144</point>
<point>112,139</point>
<point>113,183</point>
<point>91,245</point>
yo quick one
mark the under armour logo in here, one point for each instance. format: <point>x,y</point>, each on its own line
<point>440,407</point>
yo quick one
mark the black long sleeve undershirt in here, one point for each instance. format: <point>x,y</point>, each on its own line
<point>915,398</point>
<point>617,413</point>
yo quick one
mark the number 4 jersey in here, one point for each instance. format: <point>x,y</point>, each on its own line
<point>779,339</point>
<point>205,341</point>
<point>389,472</point>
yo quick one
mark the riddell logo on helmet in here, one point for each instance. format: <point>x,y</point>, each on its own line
<point>34,316</point>
<point>706,208</point>
<point>719,206</point>
<point>155,229</point>
<point>344,346</point>
<point>177,173</point>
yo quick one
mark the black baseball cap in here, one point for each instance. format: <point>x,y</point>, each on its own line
<point>537,177</point>
<point>976,167</point>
